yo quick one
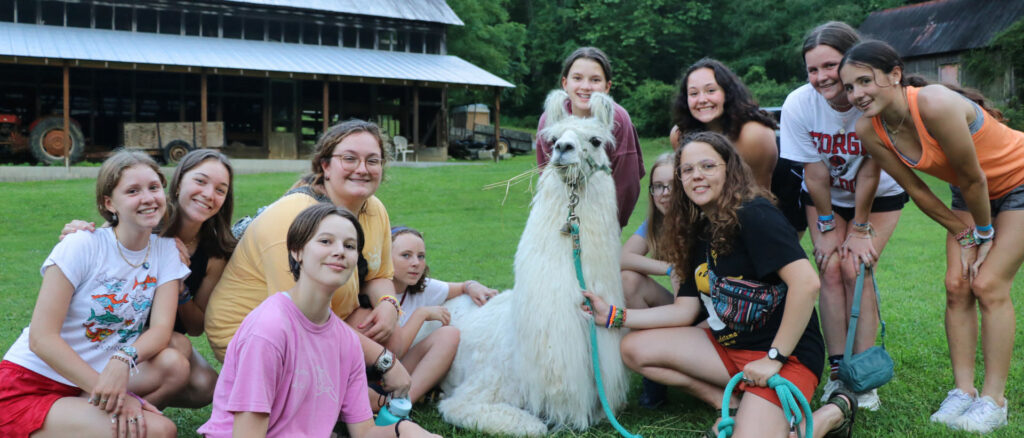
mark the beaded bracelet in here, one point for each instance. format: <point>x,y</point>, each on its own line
<point>966,238</point>
<point>133,368</point>
<point>393,301</point>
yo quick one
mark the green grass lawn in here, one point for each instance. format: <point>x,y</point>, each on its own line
<point>473,233</point>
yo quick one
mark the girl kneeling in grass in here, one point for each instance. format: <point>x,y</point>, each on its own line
<point>294,366</point>
<point>73,370</point>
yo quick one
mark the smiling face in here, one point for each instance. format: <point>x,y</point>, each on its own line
<point>354,170</point>
<point>138,198</point>
<point>661,187</point>
<point>409,255</point>
<point>823,73</point>
<point>585,77</point>
<point>701,172</point>
<point>704,96</point>
<point>870,89</point>
<point>202,190</point>
<point>329,257</point>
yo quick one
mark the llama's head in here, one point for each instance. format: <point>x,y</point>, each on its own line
<point>577,142</point>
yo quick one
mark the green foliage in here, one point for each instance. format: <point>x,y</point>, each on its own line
<point>767,91</point>
<point>492,42</point>
<point>650,107</point>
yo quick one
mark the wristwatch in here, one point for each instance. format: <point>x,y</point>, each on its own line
<point>130,351</point>
<point>774,354</point>
<point>385,361</point>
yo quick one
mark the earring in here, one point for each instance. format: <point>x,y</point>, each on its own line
<point>115,217</point>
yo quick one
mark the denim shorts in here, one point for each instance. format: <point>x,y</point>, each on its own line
<point>1010,201</point>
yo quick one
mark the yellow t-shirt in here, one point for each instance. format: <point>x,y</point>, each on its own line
<point>259,266</point>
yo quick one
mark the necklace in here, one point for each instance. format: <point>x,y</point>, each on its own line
<point>843,115</point>
<point>895,132</point>
<point>145,259</point>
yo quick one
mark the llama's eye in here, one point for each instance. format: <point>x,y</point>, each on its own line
<point>595,141</point>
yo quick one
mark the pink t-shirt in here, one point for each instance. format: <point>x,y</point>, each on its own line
<point>301,373</point>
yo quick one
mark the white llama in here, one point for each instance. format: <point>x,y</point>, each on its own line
<point>524,360</point>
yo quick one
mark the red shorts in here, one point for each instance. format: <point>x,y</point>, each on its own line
<point>794,371</point>
<point>25,399</point>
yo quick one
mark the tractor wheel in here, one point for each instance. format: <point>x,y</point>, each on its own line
<point>175,151</point>
<point>47,142</point>
<point>502,148</point>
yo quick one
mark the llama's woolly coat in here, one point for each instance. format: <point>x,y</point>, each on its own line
<point>524,360</point>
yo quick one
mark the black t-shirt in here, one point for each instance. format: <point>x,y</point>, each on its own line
<point>765,243</point>
<point>197,264</point>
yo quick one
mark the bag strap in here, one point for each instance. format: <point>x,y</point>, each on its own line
<point>851,332</point>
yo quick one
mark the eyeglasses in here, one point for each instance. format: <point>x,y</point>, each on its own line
<point>706,168</point>
<point>351,162</point>
<point>658,188</point>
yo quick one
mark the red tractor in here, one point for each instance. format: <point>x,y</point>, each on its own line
<point>44,138</point>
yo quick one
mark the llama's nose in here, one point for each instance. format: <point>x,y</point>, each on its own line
<point>563,147</point>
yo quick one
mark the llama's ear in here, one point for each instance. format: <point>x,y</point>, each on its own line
<point>602,108</point>
<point>554,106</point>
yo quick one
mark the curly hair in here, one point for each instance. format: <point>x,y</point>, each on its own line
<point>422,283</point>
<point>740,106</point>
<point>718,222</point>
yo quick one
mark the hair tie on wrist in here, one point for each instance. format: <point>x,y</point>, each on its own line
<point>984,228</point>
<point>826,218</point>
<point>669,271</point>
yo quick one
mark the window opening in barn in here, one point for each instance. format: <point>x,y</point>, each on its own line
<point>193,24</point>
<point>366,38</point>
<point>310,33</point>
<point>232,26</point>
<point>104,16</point>
<point>434,43</point>
<point>170,22</point>
<point>349,35</point>
<point>329,35</point>
<point>254,29</point>
<point>950,74</point>
<point>26,11</point>
<point>145,20</point>
<point>416,42</point>
<point>386,39</point>
<point>52,13</point>
<point>274,31</point>
<point>78,14</point>
<point>210,25</point>
<point>7,10</point>
<point>123,17</point>
<point>402,41</point>
<point>291,32</point>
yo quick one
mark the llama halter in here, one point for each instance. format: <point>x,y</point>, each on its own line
<point>572,228</point>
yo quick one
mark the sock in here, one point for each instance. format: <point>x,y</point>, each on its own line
<point>833,363</point>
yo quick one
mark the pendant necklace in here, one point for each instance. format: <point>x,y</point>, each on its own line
<point>843,117</point>
<point>895,132</point>
<point>145,259</point>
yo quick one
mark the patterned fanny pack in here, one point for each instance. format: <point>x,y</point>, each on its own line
<point>744,305</point>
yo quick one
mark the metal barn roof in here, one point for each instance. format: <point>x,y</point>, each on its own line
<point>941,26</point>
<point>92,46</point>
<point>434,11</point>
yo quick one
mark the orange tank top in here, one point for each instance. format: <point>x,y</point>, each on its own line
<point>999,148</point>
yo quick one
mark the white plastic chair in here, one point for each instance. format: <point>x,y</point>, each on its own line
<point>402,147</point>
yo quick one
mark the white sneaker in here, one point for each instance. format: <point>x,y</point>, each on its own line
<point>830,387</point>
<point>955,404</point>
<point>983,416</point>
<point>869,400</point>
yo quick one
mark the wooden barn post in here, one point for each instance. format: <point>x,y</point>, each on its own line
<point>67,116</point>
<point>497,122</point>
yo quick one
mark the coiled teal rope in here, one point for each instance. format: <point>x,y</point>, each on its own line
<point>792,399</point>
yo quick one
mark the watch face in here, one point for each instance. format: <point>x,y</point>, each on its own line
<point>773,354</point>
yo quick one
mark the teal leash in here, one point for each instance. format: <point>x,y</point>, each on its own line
<point>572,225</point>
<point>792,399</point>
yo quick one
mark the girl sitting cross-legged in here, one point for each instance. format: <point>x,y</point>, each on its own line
<point>294,368</point>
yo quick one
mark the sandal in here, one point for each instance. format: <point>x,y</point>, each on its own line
<point>847,403</point>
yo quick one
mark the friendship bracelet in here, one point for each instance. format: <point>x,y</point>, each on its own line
<point>864,228</point>
<point>669,271</point>
<point>611,316</point>
<point>620,318</point>
<point>826,225</point>
<point>133,368</point>
<point>393,301</point>
<point>966,238</point>
<point>185,297</point>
